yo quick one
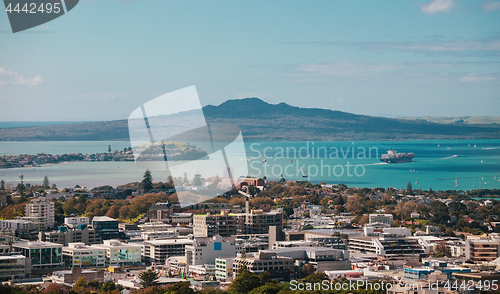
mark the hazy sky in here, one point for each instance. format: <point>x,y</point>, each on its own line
<point>103,59</point>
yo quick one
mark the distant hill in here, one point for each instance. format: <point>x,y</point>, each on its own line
<point>458,119</point>
<point>259,120</point>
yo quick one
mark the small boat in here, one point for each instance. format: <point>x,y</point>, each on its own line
<point>304,175</point>
<point>482,161</point>
<point>262,158</point>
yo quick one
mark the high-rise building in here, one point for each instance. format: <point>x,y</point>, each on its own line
<point>41,208</point>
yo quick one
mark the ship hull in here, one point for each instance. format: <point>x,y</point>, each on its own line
<point>397,160</point>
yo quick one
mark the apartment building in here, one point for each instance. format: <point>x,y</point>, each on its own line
<point>41,208</point>
<point>75,221</point>
<point>209,225</point>
<point>257,221</point>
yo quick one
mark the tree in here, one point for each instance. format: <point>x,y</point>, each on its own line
<point>441,250</point>
<point>180,288</point>
<point>307,269</point>
<point>245,282</point>
<point>316,278</point>
<point>46,183</point>
<point>2,185</point>
<point>148,278</point>
<point>197,181</point>
<point>147,181</point>
<point>53,186</point>
<point>113,212</point>
<point>409,187</point>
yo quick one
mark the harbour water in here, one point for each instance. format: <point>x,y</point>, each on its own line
<point>438,164</point>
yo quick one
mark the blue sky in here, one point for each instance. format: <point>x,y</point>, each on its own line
<point>103,59</point>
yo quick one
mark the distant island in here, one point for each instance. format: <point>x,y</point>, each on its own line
<point>149,152</point>
<point>261,121</point>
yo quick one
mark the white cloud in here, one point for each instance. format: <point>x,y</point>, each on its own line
<point>476,77</point>
<point>348,68</point>
<point>100,96</point>
<point>13,78</point>
<point>436,6</point>
<point>491,6</point>
<point>433,47</point>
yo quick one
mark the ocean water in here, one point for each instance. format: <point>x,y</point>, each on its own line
<point>17,124</point>
<point>438,164</point>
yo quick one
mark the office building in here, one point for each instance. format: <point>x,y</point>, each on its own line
<point>120,254</point>
<point>81,255</point>
<point>323,259</point>
<point>12,267</point>
<point>280,268</point>
<point>482,250</point>
<point>385,245</point>
<point>106,227</point>
<point>39,255</point>
<point>158,251</point>
<point>205,250</point>
<point>23,229</point>
<point>65,235</point>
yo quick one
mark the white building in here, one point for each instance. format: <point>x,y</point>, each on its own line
<point>224,268</point>
<point>120,254</point>
<point>81,255</point>
<point>205,250</point>
<point>42,208</point>
<point>75,221</point>
<point>381,218</point>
